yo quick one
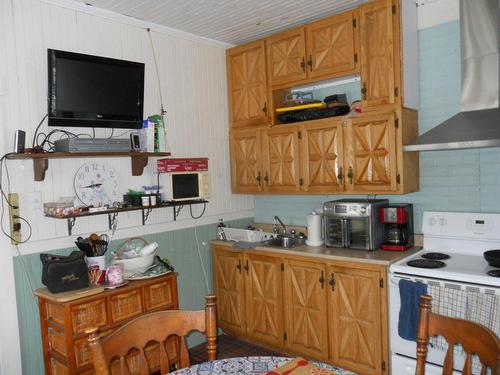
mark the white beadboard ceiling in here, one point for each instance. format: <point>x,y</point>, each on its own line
<point>229,21</point>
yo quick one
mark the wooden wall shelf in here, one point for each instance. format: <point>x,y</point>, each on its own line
<point>41,161</point>
<point>113,212</point>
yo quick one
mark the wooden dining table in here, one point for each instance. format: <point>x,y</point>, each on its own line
<point>252,365</point>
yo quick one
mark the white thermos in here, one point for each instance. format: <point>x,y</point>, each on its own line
<point>314,229</point>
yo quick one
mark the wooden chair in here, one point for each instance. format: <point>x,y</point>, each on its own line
<point>475,339</point>
<point>113,351</point>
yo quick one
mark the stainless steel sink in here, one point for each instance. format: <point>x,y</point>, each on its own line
<point>284,242</point>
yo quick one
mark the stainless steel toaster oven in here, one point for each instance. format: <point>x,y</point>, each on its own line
<point>353,223</point>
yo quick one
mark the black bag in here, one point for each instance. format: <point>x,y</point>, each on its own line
<point>63,273</point>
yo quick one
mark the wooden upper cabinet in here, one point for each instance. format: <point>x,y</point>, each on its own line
<point>228,287</point>
<point>331,45</point>
<point>305,312</point>
<point>286,60</point>
<point>246,69</point>
<point>354,306</point>
<point>264,298</point>
<point>377,54</point>
<point>371,154</point>
<point>246,161</point>
<point>280,147</point>
<point>322,156</point>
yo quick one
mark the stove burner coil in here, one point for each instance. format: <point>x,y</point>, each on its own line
<point>426,263</point>
<point>435,256</point>
<point>494,273</point>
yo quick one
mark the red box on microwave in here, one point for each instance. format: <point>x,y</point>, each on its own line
<point>182,165</point>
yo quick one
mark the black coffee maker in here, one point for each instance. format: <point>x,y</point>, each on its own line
<point>398,226</point>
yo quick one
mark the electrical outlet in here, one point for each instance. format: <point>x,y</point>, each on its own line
<point>15,222</point>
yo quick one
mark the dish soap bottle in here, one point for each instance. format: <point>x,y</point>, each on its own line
<point>221,235</point>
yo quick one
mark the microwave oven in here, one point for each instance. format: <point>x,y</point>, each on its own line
<point>183,186</point>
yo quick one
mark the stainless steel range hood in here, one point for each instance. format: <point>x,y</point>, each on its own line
<point>478,125</point>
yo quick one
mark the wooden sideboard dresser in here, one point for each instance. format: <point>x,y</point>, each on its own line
<point>63,324</point>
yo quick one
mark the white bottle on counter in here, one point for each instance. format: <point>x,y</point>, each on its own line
<point>314,229</point>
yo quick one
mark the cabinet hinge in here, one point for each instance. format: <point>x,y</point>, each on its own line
<point>355,57</point>
<point>396,123</point>
<point>282,267</point>
<point>300,135</point>
<point>394,9</point>
<point>381,282</point>
<point>396,91</point>
<point>398,178</point>
<point>354,22</point>
<point>383,365</point>
<point>301,181</point>
<point>285,336</point>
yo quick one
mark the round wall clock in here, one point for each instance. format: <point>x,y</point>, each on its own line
<point>96,184</point>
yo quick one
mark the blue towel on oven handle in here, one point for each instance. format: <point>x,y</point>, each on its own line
<point>410,292</point>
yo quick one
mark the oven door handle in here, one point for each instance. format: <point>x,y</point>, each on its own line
<point>347,233</point>
<point>344,227</point>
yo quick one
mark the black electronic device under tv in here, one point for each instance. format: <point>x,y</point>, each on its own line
<point>94,91</point>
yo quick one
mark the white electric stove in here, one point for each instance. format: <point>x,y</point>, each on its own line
<point>459,281</point>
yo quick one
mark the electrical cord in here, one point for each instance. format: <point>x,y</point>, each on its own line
<point>28,278</point>
<point>37,128</point>
<point>191,211</point>
<point>4,199</point>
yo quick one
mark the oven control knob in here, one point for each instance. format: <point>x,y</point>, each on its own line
<point>362,210</point>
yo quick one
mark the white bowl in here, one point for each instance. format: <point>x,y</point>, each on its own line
<point>137,264</point>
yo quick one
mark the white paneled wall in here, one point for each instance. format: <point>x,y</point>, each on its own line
<point>194,92</point>
<point>193,81</point>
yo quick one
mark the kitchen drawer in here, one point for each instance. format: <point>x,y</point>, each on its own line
<point>55,312</point>
<point>57,368</point>
<point>89,315</point>
<point>57,342</point>
<point>159,295</point>
<point>82,353</point>
<point>125,305</point>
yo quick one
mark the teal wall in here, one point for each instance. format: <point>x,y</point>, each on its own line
<point>467,180</point>
<point>179,246</point>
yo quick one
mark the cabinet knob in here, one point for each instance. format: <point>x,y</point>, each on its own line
<point>363,91</point>
<point>303,64</point>
<point>264,109</point>
<point>246,266</point>
<point>258,178</point>
<point>238,266</point>
<point>332,281</point>
<point>322,279</point>
<point>350,175</point>
<point>310,63</point>
<point>340,176</point>
<point>266,179</point>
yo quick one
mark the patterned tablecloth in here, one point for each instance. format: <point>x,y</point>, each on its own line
<point>252,365</point>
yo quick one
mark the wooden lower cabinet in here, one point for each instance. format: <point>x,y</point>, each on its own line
<point>354,308</point>
<point>332,311</point>
<point>63,324</point>
<point>305,301</point>
<point>264,298</point>
<point>228,284</point>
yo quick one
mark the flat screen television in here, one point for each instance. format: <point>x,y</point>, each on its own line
<point>93,91</point>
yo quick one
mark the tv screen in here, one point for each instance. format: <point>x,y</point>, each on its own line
<point>93,91</point>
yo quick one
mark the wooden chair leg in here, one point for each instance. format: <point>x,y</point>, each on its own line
<point>94,341</point>
<point>211,327</point>
<point>422,336</point>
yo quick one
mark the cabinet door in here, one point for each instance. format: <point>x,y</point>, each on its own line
<point>286,61</point>
<point>321,150</point>
<point>228,286</point>
<point>246,162</point>
<point>264,299</point>
<point>330,46</point>
<point>281,159</point>
<point>371,152</point>
<point>377,54</point>
<point>354,306</point>
<point>305,308</point>
<point>246,69</point>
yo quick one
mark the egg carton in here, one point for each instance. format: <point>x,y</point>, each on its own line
<point>234,234</point>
